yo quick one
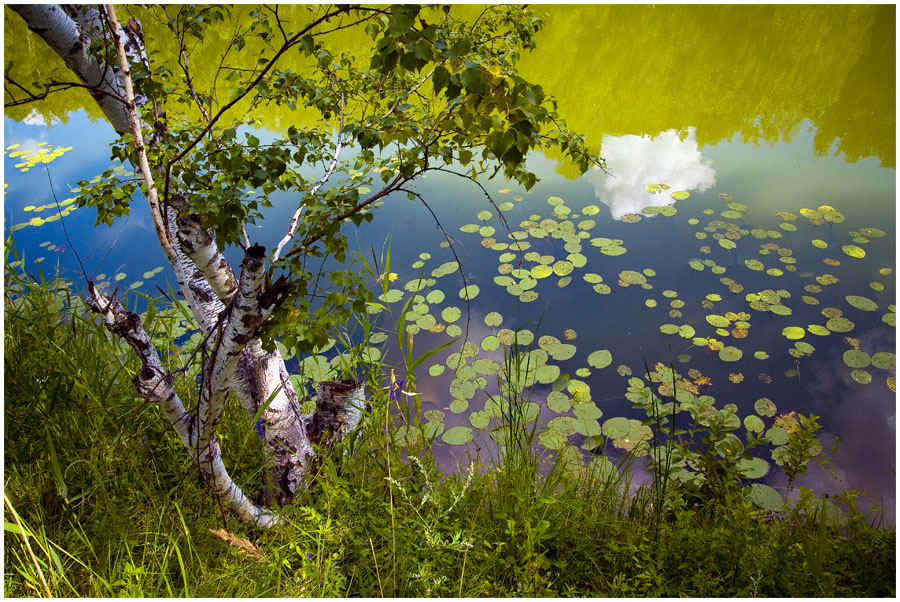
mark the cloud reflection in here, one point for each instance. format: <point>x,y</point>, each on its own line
<point>635,161</point>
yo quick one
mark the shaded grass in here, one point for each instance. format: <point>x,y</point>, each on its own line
<point>111,505</point>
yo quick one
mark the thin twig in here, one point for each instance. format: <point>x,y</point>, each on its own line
<point>144,164</point>
<point>414,88</point>
<point>340,144</point>
<point>183,62</point>
<point>295,39</point>
<point>452,250</point>
<point>392,187</point>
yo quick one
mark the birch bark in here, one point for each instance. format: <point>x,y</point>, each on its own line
<point>70,38</point>
<point>227,310</point>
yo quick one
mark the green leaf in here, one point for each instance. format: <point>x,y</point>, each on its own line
<point>431,352</point>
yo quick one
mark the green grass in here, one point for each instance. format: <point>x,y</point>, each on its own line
<point>110,505</point>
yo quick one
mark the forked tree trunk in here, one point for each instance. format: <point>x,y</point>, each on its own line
<point>227,308</point>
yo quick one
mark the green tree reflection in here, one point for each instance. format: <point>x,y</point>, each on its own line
<point>752,71</point>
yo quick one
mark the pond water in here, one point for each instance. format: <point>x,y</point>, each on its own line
<point>744,229</point>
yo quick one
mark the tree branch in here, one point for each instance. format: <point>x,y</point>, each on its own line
<point>392,187</point>
<point>156,386</point>
<point>69,40</point>
<point>201,248</point>
<point>340,144</point>
<point>135,124</point>
<point>284,48</point>
<point>183,63</point>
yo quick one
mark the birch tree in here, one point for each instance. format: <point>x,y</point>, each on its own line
<point>431,92</point>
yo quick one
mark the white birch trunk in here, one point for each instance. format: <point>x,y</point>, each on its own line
<point>228,312</point>
<point>70,40</point>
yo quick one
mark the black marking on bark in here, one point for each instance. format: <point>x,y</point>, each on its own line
<point>274,294</point>
<point>200,291</point>
<point>328,421</point>
<point>247,373</point>
<point>257,251</point>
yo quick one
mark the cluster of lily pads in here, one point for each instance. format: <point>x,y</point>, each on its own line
<point>478,367</point>
<point>43,154</point>
<point>520,279</point>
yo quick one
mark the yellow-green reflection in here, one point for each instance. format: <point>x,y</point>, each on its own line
<point>756,71</point>
<point>753,70</point>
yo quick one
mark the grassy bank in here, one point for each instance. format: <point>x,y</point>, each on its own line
<point>100,500</point>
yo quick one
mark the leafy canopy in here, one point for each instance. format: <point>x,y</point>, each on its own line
<point>430,92</point>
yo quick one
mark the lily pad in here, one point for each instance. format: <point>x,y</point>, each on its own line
<point>458,406</point>
<point>490,343</point>
<point>854,251</point>
<point>469,292</point>
<point>764,407</point>
<point>612,250</point>
<point>861,376</point>
<point>854,358</point>
<point>730,354</point>
<point>804,347</point>
<point>793,332</point>
<point>563,268</point>
<point>552,439</point>
<point>834,217</point>
<point>754,264</point>
<point>884,360</point>
<point>839,324</point>
<point>541,271</point>
<point>588,411</point>
<point>479,420</point>
<point>457,435</point>
<point>632,277</point>
<point>765,497</point>
<point>493,319</point>
<point>450,314</point>
<point>547,374</point>
<point>600,359</point>
<point>861,303</point>
<point>562,351</point>
<point>616,428</point>
<point>558,401</point>
<point>753,468</point>
<point>718,321</point>
<point>754,424</point>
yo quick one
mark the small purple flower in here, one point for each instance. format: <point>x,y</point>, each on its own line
<point>260,429</point>
<point>309,555</point>
<point>397,389</point>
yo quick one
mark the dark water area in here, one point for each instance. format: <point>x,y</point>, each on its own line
<point>779,154</point>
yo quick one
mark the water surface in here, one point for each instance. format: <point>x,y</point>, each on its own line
<point>778,108</point>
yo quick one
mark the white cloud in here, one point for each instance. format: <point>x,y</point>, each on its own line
<point>28,144</point>
<point>35,118</point>
<point>636,161</point>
